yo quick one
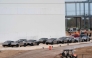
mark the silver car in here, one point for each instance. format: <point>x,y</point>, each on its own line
<point>76,39</point>
<point>84,37</point>
<point>7,43</point>
<point>22,42</point>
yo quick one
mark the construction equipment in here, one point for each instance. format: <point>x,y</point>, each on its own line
<point>67,53</point>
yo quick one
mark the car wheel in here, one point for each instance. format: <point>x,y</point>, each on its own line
<point>75,57</point>
<point>17,45</point>
<point>52,43</point>
<point>76,41</point>
<point>37,43</point>
<point>46,43</point>
<point>3,45</point>
<point>11,46</point>
<point>24,44</point>
<point>86,40</point>
<point>57,42</point>
<point>82,40</point>
<point>68,41</point>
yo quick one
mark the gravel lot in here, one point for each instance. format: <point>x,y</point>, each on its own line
<point>45,53</point>
<point>38,53</point>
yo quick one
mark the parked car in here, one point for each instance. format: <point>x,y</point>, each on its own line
<point>61,40</point>
<point>7,43</point>
<point>85,38</point>
<point>15,43</point>
<point>67,39</point>
<point>76,39</point>
<point>22,42</point>
<point>32,42</point>
<point>43,40</point>
<point>52,41</point>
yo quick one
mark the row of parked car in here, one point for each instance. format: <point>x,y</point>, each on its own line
<point>66,39</point>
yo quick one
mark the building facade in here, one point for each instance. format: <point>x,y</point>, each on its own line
<point>31,19</point>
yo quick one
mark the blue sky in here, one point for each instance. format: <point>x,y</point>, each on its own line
<point>71,8</point>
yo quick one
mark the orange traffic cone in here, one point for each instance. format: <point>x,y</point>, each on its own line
<point>50,47</point>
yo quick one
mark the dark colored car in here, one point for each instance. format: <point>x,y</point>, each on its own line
<point>67,39</point>
<point>22,42</point>
<point>43,40</point>
<point>85,38</point>
<point>52,41</point>
<point>61,40</point>
<point>7,43</point>
<point>32,42</point>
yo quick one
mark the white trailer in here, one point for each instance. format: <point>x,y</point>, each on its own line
<point>31,19</point>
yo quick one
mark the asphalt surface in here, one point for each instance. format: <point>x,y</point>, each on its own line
<point>46,53</point>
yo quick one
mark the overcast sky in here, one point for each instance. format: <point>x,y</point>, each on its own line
<point>75,0</point>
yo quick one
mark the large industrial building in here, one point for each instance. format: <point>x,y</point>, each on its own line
<point>31,19</point>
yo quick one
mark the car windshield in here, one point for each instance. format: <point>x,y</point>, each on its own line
<point>52,39</point>
<point>8,41</point>
<point>82,35</point>
<point>63,38</point>
<point>31,40</point>
<point>43,39</point>
<point>22,40</point>
<point>16,41</point>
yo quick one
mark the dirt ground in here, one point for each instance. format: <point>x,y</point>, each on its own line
<point>85,52</point>
<point>9,53</point>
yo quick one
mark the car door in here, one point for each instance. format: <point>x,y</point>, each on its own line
<point>66,39</point>
<point>20,43</point>
<point>34,42</point>
<point>55,40</point>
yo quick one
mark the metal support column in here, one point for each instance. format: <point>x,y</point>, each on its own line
<point>76,14</point>
<point>84,16</point>
<point>76,21</point>
<point>80,14</point>
<point>66,15</point>
<point>89,14</point>
<point>80,22</point>
<point>79,9</point>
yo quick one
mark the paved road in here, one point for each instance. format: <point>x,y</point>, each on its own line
<point>45,53</point>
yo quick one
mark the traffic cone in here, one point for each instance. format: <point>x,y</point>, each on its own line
<point>50,47</point>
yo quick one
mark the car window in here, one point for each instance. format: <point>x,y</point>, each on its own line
<point>43,39</point>
<point>52,38</point>
<point>8,41</point>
